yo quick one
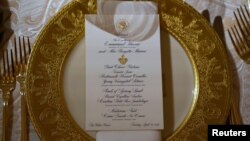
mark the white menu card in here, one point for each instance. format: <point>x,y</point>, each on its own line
<point>123,73</point>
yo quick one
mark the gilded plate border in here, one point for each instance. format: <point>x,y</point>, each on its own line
<point>46,104</point>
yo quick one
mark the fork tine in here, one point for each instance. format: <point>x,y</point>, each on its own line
<point>239,25</point>
<point>12,62</point>
<point>233,41</point>
<point>243,19</point>
<point>24,50</point>
<point>243,33</point>
<point>4,63</point>
<point>247,11</point>
<point>236,40</point>
<point>8,64</point>
<point>15,50</point>
<point>2,66</point>
<point>29,48</point>
<point>20,51</point>
<point>243,44</point>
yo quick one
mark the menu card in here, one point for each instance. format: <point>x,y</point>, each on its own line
<point>123,73</point>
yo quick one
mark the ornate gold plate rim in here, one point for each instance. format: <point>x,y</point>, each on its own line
<point>213,80</point>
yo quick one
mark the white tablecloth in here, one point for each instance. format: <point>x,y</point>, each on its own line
<point>29,16</point>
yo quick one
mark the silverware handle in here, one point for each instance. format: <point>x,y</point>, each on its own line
<point>235,116</point>
<point>24,128</point>
<point>5,128</point>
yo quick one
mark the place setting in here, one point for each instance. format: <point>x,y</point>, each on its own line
<point>124,70</point>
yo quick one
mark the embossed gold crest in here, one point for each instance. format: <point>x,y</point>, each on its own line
<point>123,59</point>
<point>122,25</point>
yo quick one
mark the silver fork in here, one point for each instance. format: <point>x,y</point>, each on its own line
<point>240,33</point>
<point>7,85</point>
<point>21,62</point>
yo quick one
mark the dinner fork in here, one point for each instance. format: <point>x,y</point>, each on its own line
<point>21,62</point>
<point>240,33</point>
<point>7,85</point>
<point>21,59</point>
<point>240,37</point>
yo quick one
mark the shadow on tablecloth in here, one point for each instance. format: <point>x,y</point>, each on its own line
<point>5,26</point>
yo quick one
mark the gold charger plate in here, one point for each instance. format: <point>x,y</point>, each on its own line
<point>213,81</point>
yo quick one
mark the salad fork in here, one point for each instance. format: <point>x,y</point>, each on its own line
<point>21,62</point>
<point>7,85</point>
